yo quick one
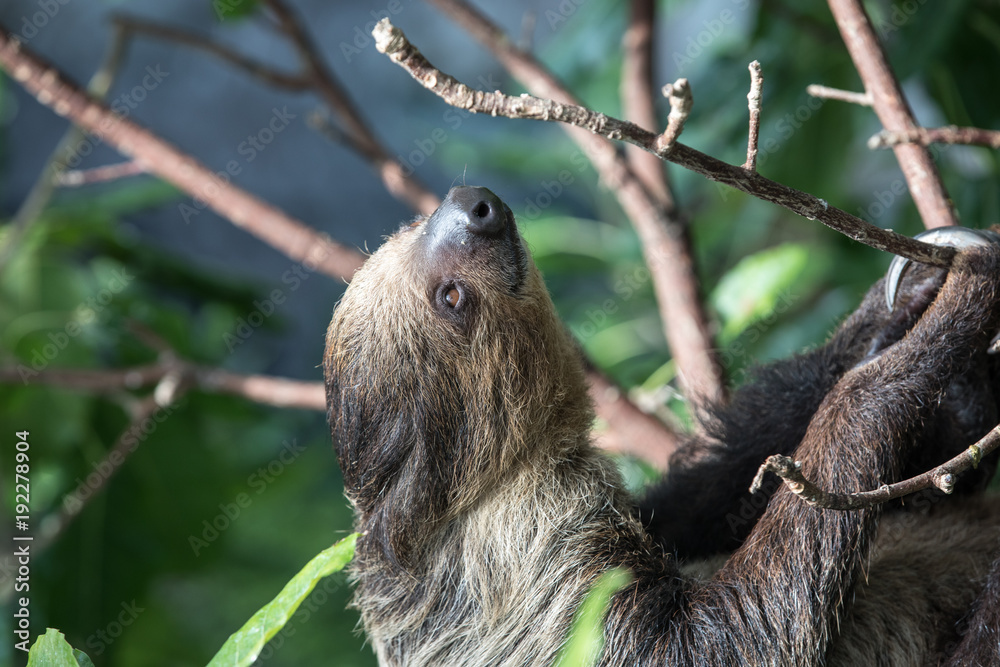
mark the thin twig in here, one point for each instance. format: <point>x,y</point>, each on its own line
<point>391,41</point>
<point>314,76</point>
<point>753,102</point>
<point>638,101</point>
<point>662,230</point>
<point>827,93</point>
<point>972,136</point>
<point>246,211</point>
<point>679,95</point>
<point>110,172</point>
<point>402,186</point>
<point>258,70</point>
<point>889,104</point>
<point>44,187</point>
<point>143,411</point>
<point>942,477</point>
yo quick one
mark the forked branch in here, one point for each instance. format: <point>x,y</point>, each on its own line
<point>942,477</point>
<point>391,41</point>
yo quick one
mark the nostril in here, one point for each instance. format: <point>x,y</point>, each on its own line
<point>482,210</point>
<point>485,217</point>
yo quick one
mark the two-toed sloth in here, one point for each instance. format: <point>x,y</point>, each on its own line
<point>461,421</point>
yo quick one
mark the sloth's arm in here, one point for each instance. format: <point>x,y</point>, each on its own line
<point>777,599</point>
<point>703,506</point>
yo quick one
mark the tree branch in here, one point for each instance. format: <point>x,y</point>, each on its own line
<point>403,187</point>
<point>679,95</point>
<point>391,41</point>
<point>630,430</point>
<point>258,70</point>
<point>111,172</point>
<point>662,230</point>
<point>638,101</point>
<point>942,477</point>
<point>299,242</point>
<point>244,210</point>
<point>41,192</point>
<point>265,389</point>
<point>753,103</point>
<point>972,136</point>
<point>890,106</point>
<point>827,93</point>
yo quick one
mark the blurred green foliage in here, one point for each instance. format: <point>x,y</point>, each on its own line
<point>189,538</point>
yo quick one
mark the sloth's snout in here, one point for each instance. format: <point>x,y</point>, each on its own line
<point>470,214</point>
<point>473,224</point>
<point>479,210</point>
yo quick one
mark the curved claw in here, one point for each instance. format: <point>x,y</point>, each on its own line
<point>953,237</point>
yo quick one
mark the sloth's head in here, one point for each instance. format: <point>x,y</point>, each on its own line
<point>447,370</point>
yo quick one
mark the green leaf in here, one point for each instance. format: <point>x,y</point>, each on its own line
<point>756,286</point>
<point>51,650</point>
<point>243,646</point>
<point>586,637</point>
<point>82,659</point>
<point>226,10</point>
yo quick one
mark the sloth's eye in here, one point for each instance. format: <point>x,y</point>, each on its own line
<point>451,298</point>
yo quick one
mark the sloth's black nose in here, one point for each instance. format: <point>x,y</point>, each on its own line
<point>469,213</point>
<point>478,209</point>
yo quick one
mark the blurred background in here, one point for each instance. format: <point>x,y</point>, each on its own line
<point>223,499</point>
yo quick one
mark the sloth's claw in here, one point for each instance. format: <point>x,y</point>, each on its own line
<point>953,237</point>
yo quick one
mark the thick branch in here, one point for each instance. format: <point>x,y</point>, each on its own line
<point>638,101</point>
<point>630,430</point>
<point>890,106</point>
<point>942,477</point>
<point>244,210</point>
<point>662,230</point>
<point>972,136</point>
<point>393,43</point>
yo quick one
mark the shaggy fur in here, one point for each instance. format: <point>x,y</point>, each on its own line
<point>461,420</point>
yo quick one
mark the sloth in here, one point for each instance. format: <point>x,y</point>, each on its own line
<point>462,424</point>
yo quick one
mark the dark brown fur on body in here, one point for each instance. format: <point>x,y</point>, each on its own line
<point>461,421</point>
